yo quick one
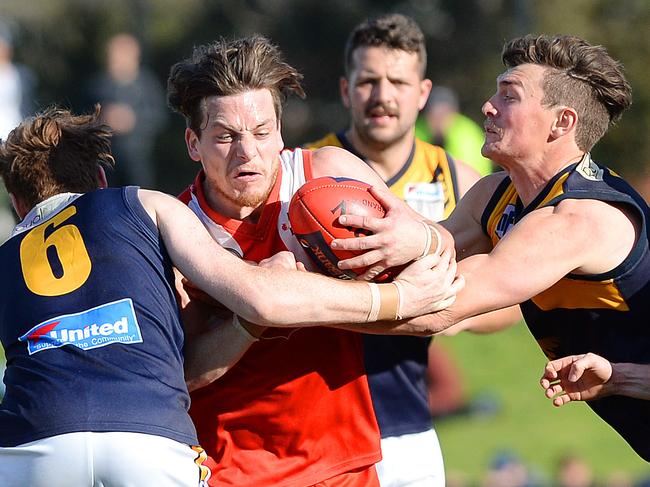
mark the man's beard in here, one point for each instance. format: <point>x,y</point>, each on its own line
<point>249,200</point>
<point>379,141</point>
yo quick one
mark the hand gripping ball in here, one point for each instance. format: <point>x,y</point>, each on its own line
<point>313,214</point>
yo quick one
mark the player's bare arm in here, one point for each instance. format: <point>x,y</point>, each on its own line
<point>464,223</point>
<point>543,247</point>
<point>467,177</point>
<point>215,338</point>
<point>337,162</point>
<point>590,376</point>
<point>338,302</point>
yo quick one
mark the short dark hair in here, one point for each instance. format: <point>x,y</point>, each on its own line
<point>226,68</point>
<point>393,31</point>
<point>55,152</point>
<point>580,75</point>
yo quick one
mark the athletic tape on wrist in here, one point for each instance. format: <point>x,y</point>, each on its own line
<point>244,331</point>
<point>389,306</point>
<point>436,232</point>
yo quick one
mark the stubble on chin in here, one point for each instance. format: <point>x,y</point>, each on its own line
<point>249,199</point>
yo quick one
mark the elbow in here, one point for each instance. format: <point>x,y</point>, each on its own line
<point>436,323</point>
<point>195,382</point>
<point>262,309</point>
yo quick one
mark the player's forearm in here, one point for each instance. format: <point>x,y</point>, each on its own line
<point>631,380</point>
<point>488,322</point>
<point>274,297</point>
<point>287,298</point>
<point>430,324</point>
<point>211,354</point>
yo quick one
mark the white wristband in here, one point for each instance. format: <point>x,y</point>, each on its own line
<point>237,324</point>
<point>375,302</point>
<point>427,242</point>
<point>400,291</point>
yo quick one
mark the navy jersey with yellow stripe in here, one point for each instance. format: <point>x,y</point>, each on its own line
<point>396,365</point>
<point>90,325</point>
<point>606,314</point>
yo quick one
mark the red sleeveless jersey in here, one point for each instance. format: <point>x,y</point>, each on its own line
<point>296,409</point>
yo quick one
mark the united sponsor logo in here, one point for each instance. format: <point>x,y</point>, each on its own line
<point>103,325</point>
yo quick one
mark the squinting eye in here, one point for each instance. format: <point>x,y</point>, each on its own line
<point>224,138</point>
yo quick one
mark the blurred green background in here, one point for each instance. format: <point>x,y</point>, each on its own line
<point>62,42</point>
<point>512,415</point>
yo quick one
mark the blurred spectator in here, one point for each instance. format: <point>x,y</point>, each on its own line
<point>573,471</point>
<point>619,478</point>
<point>445,383</point>
<point>441,123</point>
<point>133,104</point>
<point>507,470</point>
<point>16,88</point>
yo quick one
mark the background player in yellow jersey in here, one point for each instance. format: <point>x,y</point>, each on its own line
<point>384,88</point>
<point>557,232</point>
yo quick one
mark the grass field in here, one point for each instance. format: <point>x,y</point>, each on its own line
<point>506,366</point>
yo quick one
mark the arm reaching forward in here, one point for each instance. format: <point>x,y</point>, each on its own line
<point>282,297</point>
<point>590,376</point>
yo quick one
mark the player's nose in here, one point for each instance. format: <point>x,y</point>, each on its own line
<point>246,148</point>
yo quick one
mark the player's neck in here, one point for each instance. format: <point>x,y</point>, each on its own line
<point>386,160</point>
<point>532,177</point>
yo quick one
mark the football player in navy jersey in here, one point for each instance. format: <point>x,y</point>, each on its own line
<point>384,88</point>
<point>556,231</point>
<point>95,392</point>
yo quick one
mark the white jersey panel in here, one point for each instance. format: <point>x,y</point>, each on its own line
<point>293,177</point>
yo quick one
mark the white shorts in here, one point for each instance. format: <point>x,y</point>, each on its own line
<point>112,459</point>
<point>413,460</point>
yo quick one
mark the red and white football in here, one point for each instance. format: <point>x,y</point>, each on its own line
<point>313,214</point>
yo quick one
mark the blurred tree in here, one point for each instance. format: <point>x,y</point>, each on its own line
<point>61,40</point>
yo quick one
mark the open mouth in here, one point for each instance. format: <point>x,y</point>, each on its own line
<point>491,129</point>
<point>247,175</point>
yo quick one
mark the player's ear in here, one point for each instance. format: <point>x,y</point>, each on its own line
<point>343,88</point>
<point>425,89</point>
<point>102,180</point>
<point>565,121</point>
<point>192,143</point>
<point>19,206</point>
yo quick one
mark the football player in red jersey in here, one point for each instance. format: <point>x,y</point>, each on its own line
<point>295,409</point>
<point>89,318</point>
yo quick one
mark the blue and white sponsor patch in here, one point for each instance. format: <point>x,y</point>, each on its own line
<point>97,327</point>
<point>428,199</point>
<point>507,220</point>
